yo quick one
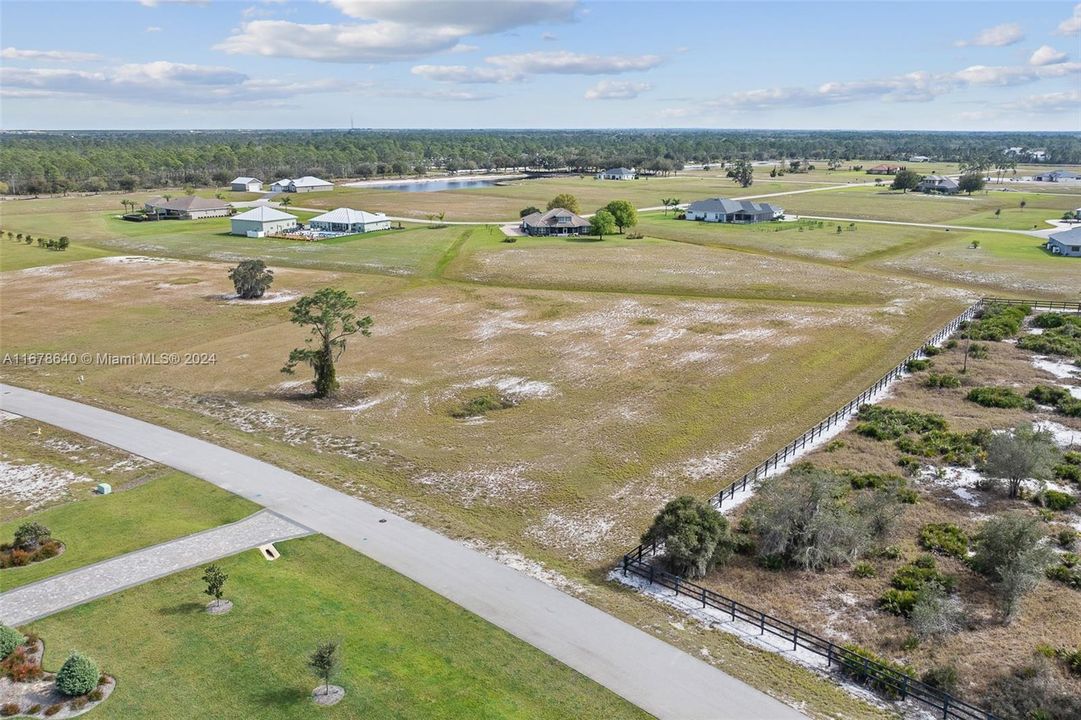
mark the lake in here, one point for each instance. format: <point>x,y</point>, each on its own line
<point>433,185</point>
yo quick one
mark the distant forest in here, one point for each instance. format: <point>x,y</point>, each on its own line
<point>56,162</point>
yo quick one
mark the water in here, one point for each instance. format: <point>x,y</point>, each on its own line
<point>434,185</point>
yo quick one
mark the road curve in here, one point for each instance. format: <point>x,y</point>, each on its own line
<point>648,672</point>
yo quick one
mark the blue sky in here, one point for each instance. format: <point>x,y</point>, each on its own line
<point>540,63</point>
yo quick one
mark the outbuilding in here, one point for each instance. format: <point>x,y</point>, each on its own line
<point>263,221</point>
<point>246,184</point>
<point>347,220</point>
<point>1066,243</point>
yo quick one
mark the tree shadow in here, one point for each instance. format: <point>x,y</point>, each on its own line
<point>278,697</point>
<point>185,608</point>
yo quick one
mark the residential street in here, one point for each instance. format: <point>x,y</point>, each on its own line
<point>646,671</point>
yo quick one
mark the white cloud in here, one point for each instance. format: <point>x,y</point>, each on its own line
<point>156,3</point>
<point>548,37</point>
<point>441,95</point>
<point>153,28</point>
<point>997,36</point>
<point>1068,100</point>
<point>616,90</point>
<point>564,62</point>
<point>464,48</point>
<point>1072,24</point>
<point>157,82</point>
<point>464,74</point>
<point>1046,55</point>
<point>10,53</point>
<point>1013,74</point>
<point>401,30</point>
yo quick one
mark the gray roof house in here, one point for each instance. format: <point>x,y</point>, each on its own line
<point>1067,243</point>
<point>262,221</point>
<point>938,184</point>
<point>619,173</point>
<point>189,207</point>
<point>246,184</point>
<point>1057,176</point>
<point>301,185</point>
<point>347,220</point>
<point>725,210</point>
<point>556,221</point>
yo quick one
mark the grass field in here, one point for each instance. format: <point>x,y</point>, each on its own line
<point>94,529</point>
<point>407,653</point>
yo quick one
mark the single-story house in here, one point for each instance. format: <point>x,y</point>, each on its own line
<point>725,210</point>
<point>246,184</point>
<point>263,221</point>
<point>189,207</point>
<point>1057,176</point>
<point>938,184</point>
<point>1067,242</point>
<point>301,185</point>
<point>556,221</point>
<point>919,158</point>
<point>884,170</point>
<point>619,173</point>
<point>347,220</point>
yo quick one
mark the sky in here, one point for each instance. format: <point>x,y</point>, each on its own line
<point>173,64</point>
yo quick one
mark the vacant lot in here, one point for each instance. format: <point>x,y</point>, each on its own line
<point>407,653</point>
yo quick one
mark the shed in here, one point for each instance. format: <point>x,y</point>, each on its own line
<point>263,219</point>
<point>103,489</point>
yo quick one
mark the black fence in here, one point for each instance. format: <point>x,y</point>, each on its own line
<point>884,679</point>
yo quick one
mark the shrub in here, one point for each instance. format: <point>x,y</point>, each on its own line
<point>96,695</point>
<point>907,495</point>
<point>1049,320</point>
<point>998,322</point>
<point>1066,538</point>
<point>945,538</point>
<point>29,536</point>
<point>978,351</point>
<point>33,710</point>
<point>898,602</point>
<point>77,676</point>
<point>743,544</point>
<point>874,481</point>
<point>920,573</point>
<point>1010,553</point>
<point>1064,340</point>
<point>78,703</point>
<point>19,666</point>
<point>942,380</point>
<point>931,350</point>
<point>851,664</point>
<point>999,397</point>
<point>1071,407</point>
<point>1056,500</point>
<point>951,447</point>
<point>1070,577</point>
<point>481,404</point>
<point>951,344</point>
<point>9,709</point>
<point>1032,692</point>
<point>883,423</point>
<point>1048,394</point>
<point>889,552</point>
<point>1019,455</point>
<point>696,537</point>
<point>1068,472</point>
<point>917,365</point>
<point>864,569</point>
<point>10,638</point>
<point>936,614</point>
<point>53,709</point>
<point>942,677</point>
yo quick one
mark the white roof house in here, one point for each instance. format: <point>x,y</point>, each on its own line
<point>242,184</point>
<point>348,220</point>
<point>308,184</point>
<point>619,173</point>
<point>262,221</point>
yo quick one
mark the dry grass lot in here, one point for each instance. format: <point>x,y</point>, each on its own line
<point>842,607</point>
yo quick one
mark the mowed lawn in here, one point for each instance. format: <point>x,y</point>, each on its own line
<point>17,255</point>
<point>406,652</point>
<point>102,527</point>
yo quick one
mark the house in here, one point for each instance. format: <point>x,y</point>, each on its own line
<point>347,220</point>
<point>1057,176</point>
<point>938,184</point>
<point>246,184</point>
<point>263,221</point>
<point>884,170</point>
<point>619,173</point>
<point>189,207</point>
<point>556,221</point>
<point>302,185</point>
<point>724,210</point>
<point>919,158</point>
<point>1067,243</point>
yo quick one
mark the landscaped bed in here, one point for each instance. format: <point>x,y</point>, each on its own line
<point>27,690</point>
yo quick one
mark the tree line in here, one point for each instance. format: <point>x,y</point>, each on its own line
<point>86,161</point>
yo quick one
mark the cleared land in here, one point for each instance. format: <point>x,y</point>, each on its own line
<point>406,651</point>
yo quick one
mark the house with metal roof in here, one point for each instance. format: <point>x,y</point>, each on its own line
<point>1057,176</point>
<point>938,184</point>
<point>262,221</point>
<point>189,207</point>
<point>302,185</point>
<point>246,184</point>
<point>557,221</point>
<point>885,169</point>
<point>1066,243</point>
<point>725,210</point>
<point>619,173</point>
<point>350,221</point>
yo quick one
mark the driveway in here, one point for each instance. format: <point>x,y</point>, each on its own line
<point>648,672</point>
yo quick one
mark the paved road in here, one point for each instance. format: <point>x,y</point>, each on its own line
<point>59,592</point>
<point>646,671</point>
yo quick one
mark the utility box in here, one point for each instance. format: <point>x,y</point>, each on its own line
<point>104,489</point>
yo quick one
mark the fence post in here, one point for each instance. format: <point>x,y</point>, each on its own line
<point>650,574</point>
<point>795,638</point>
<point>703,597</point>
<point>761,623</point>
<point>945,706</point>
<point>625,562</point>
<point>904,688</point>
<point>677,585</point>
<point>829,655</point>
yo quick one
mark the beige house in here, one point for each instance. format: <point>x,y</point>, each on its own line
<point>263,221</point>
<point>189,207</point>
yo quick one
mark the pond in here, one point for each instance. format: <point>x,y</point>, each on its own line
<point>434,185</point>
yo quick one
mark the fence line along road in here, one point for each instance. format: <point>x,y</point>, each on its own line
<point>881,677</point>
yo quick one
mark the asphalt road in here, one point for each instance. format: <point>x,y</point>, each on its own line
<point>648,672</point>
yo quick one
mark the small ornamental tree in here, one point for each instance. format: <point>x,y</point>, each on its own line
<point>623,213</point>
<point>1021,454</point>
<point>905,180</point>
<point>251,279</point>
<point>215,579</point>
<point>565,201</point>
<point>602,223</point>
<point>323,662</point>
<point>695,536</point>
<point>10,638</point>
<point>31,535</point>
<point>329,314</point>
<point>78,676</point>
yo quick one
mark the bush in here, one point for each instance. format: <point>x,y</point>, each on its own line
<point>696,537</point>
<point>978,351</point>
<point>78,703</point>
<point>1064,340</point>
<point>1049,320</point>
<point>29,536</point>
<point>944,538</point>
<point>1066,538</point>
<point>942,677</point>
<point>864,569</point>
<point>10,638</point>
<point>1056,500</point>
<point>998,322</point>
<point>1068,472</point>
<point>936,614</point>
<point>950,447</point>
<point>77,676</point>
<point>9,709</point>
<point>999,397</point>
<point>851,665</point>
<point>1048,394</point>
<point>97,695</point>
<point>874,481</point>
<point>921,572</point>
<point>1011,554</point>
<point>888,552</point>
<point>942,380</point>
<point>907,495</point>
<point>898,602</point>
<point>481,404</point>
<point>1070,577</point>
<point>19,666</point>
<point>931,350</point>
<point>1032,692</point>
<point>53,709</point>
<point>917,365</point>
<point>883,423</point>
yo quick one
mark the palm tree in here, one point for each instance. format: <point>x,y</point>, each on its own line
<point>666,202</point>
<point>1023,204</point>
<point>286,202</point>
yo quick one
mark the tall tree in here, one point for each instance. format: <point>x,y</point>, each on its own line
<point>251,279</point>
<point>329,314</point>
<point>743,173</point>
<point>565,201</point>
<point>970,183</point>
<point>602,223</point>
<point>905,180</point>
<point>623,213</point>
